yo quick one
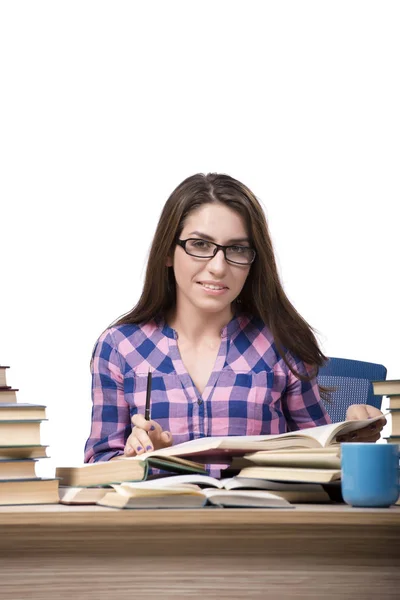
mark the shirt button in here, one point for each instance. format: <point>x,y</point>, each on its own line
<point>199,401</point>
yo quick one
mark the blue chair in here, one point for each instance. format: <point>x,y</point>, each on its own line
<point>352,380</point>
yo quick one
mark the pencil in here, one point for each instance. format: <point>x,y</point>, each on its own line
<point>148,396</point>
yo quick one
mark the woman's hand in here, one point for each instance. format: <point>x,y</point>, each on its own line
<point>372,433</point>
<point>146,436</point>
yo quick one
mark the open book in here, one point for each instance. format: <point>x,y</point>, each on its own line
<point>183,492</point>
<point>218,449</point>
<point>292,492</point>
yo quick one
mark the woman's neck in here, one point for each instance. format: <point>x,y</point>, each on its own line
<point>194,325</point>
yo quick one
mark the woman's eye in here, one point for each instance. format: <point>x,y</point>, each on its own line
<point>200,244</point>
<point>238,249</point>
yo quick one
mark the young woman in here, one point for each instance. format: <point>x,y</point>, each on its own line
<point>229,354</point>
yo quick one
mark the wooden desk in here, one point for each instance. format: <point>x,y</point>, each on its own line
<point>95,553</point>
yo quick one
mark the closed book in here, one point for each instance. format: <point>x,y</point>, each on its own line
<point>17,411</point>
<point>8,395</point>
<point>3,377</point>
<point>17,468</point>
<point>15,433</point>
<point>321,458</point>
<point>386,388</point>
<point>394,402</point>
<point>23,451</point>
<point>291,474</point>
<point>395,414</point>
<point>29,491</point>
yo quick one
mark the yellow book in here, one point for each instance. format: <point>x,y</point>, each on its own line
<point>8,395</point>
<point>17,468</point>
<point>292,474</point>
<point>394,402</point>
<point>3,377</point>
<point>313,458</point>
<point>387,387</point>
<point>15,433</point>
<point>395,431</point>
<point>23,451</point>
<point>29,491</point>
<point>18,411</point>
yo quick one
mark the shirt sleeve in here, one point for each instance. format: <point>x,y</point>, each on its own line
<point>302,403</point>
<point>111,425</point>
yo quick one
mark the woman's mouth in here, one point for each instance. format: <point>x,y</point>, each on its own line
<point>214,290</point>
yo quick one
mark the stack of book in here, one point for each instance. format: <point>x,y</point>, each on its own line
<point>302,465</point>
<point>20,448</point>
<point>391,389</point>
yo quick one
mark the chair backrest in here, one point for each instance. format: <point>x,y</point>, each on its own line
<point>352,378</point>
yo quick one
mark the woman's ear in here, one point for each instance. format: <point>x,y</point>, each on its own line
<point>169,262</point>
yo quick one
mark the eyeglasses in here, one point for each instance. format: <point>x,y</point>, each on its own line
<point>239,255</point>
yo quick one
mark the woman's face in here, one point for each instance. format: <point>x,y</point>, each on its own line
<point>219,224</point>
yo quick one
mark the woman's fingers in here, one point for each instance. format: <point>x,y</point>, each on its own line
<point>145,443</point>
<point>138,420</point>
<point>153,428</point>
<point>137,443</point>
<point>367,434</point>
<point>358,412</point>
<point>373,437</point>
<point>146,436</point>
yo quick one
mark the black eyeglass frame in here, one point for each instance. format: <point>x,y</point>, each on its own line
<point>218,247</point>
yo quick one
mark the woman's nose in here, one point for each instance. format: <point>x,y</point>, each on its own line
<point>218,262</point>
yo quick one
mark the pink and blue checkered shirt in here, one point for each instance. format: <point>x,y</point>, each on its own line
<point>251,391</point>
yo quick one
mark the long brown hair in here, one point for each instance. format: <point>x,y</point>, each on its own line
<point>262,295</point>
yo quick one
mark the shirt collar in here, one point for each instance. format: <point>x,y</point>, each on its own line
<point>228,331</point>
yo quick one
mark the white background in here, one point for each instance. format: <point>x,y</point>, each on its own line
<point>107,106</point>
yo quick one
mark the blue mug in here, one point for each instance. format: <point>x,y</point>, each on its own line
<point>370,474</point>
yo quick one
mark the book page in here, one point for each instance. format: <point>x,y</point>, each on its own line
<point>154,487</point>
<point>325,434</point>
<point>315,459</point>
<point>174,480</point>
<point>245,498</point>
<point>266,484</point>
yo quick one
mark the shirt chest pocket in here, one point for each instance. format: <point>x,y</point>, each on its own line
<point>168,400</point>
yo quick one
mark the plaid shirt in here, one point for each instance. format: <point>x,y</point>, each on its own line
<point>251,391</point>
